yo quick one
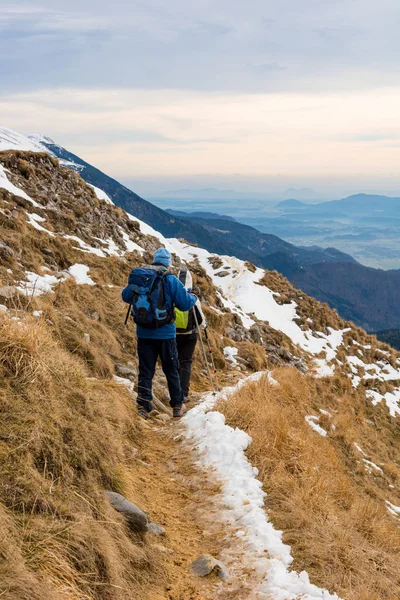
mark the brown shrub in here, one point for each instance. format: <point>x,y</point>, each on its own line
<point>254,354</point>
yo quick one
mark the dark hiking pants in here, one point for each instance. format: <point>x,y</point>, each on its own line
<point>186,345</point>
<point>148,353</point>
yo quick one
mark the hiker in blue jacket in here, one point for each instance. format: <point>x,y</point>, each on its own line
<point>154,292</point>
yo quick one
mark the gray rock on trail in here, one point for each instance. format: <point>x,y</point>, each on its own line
<point>135,517</point>
<point>206,564</point>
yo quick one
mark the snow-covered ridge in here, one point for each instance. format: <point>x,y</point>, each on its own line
<point>36,284</point>
<point>40,139</point>
<point>11,140</point>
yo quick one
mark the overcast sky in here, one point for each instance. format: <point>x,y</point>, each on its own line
<point>252,94</point>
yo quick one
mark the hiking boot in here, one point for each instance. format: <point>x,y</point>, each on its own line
<point>142,412</point>
<point>178,412</point>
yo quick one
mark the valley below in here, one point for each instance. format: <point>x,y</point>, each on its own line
<point>372,237</point>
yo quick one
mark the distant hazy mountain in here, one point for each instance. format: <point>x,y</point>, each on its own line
<point>206,194</point>
<point>217,194</point>
<point>199,214</point>
<point>291,205</point>
<point>264,249</point>
<point>358,204</point>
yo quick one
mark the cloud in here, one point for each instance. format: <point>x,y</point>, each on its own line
<point>182,89</point>
<point>199,45</point>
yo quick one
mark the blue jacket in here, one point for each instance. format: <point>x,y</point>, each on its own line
<point>175,295</point>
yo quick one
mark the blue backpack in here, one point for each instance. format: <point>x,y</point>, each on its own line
<point>146,297</point>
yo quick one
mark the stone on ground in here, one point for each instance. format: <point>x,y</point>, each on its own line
<point>206,564</point>
<point>135,517</point>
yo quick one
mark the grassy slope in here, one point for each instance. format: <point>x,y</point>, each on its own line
<point>64,439</point>
<point>320,493</point>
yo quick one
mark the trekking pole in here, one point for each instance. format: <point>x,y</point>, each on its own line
<point>210,350</point>
<point>204,352</point>
<point>212,357</point>
<point>127,314</point>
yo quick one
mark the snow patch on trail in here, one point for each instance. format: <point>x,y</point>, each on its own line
<point>36,285</point>
<point>223,449</point>
<point>392,400</point>
<point>371,467</point>
<point>84,246</point>
<point>381,370</point>
<point>130,245</point>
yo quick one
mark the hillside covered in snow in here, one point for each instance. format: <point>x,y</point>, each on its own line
<point>66,251</point>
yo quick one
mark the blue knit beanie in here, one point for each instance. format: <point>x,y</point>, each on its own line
<point>162,256</point>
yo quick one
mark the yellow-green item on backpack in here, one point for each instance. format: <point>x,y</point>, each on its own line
<point>181,319</point>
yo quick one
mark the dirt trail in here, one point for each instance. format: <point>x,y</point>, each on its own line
<point>186,501</point>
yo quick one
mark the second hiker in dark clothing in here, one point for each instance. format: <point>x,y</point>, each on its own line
<point>187,335</point>
<point>154,293</point>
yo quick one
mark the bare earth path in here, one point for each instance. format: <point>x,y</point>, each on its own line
<point>186,502</point>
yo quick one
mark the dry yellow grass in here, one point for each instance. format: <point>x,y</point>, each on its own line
<point>64,440</point>
<point>332,511</point>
